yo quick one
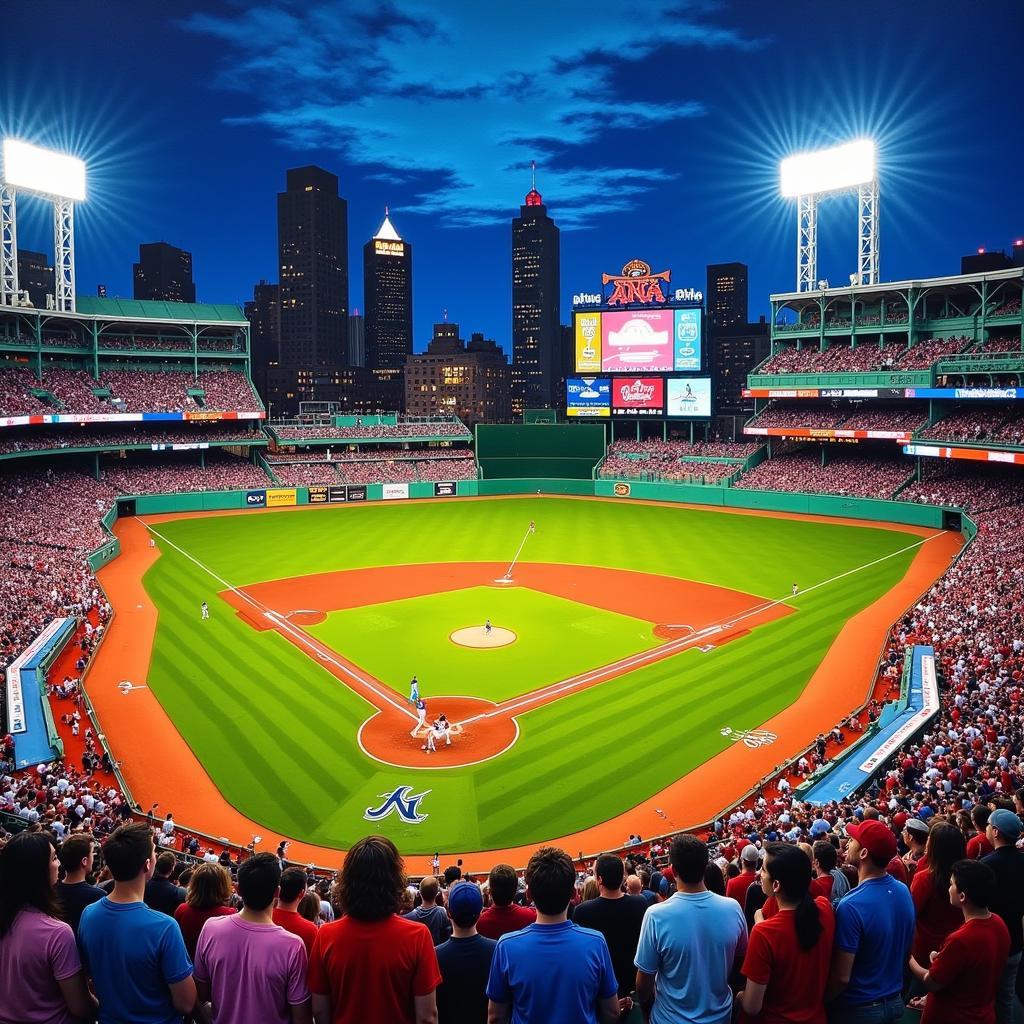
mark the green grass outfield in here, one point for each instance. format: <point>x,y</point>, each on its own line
<point>556,638</point>
<point>277,733</point>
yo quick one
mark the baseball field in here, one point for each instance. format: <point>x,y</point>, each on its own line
<point>644,640</point>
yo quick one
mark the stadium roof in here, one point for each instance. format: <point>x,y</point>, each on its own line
<point>1010,274</point>
<point>139,309</point>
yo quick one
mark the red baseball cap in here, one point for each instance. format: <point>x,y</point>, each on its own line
<point>876,838</point>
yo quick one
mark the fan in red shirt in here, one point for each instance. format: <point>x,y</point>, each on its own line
<point>978,845</point>
<point>963,976</point>
<point>503,915</point>
<point>788,956</point>
<point>737,887</point>
<point>936,917</point>
<point>372,965</point>
<point>286,913</point>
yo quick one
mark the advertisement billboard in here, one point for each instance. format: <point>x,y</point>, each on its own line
<point>588,342</point>
<point>688,396</point>
<point>687,343</point>
<point>635,341</point>
<point>355,492</point>
<point>391,492</point>
<point>638,396</point>
<point>445,488</point>
<point>337,492</point>
<point>317,494</point>
<point>256,499</point>
<point>278,497</point>
<point>588,396</point>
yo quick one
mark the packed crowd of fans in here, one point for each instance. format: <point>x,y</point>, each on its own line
<point>1000,343</point>
<point>352,454</point>
<point>698,471</point>
<point>29,439</point>
<point>973,487</point>
<point>169,476</point>
<point>969,424</point>
<point>655,448</point>
<point>374,431</point>
<point>74,391</point>
<point>845,473</point>
<point>1009,308</point>
<point>845,416</point>
<point>863,358</point>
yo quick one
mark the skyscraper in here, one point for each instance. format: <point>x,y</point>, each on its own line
<point>312,242</point>
<point>726,294</point>
<point>35,276</point>
<point>387,297</point>
<point>356,339</point>
<point>536,331</point>
<point>164,272</point>
<point>263,314</point>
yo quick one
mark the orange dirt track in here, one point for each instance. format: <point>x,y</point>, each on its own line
<point>159,766</point>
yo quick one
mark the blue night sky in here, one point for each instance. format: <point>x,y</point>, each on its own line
<point>656,127</point>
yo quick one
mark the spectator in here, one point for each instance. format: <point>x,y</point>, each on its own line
<point>929,888</point>
<point>135,956</point>
<point>874,933</point>
<point>689,945</point>
<point>963,978</point>
<point>371,964</point>
<point>430,913</point>
<point>209,890</point>
<point>75,893</point>
<point>1003,831</point>
<point>736,889</point>
<point>618,918</point>
<point>553,971</point>
<point>788,955</point>
<point>41,975</point>
<point>829,881</point>
<point>978,845</point>
<point>503,915</point>
<point>161,893</point>
<point>915,835</point>
<point>286,913</point>
<point>246,966</point>
<point>464,960</point>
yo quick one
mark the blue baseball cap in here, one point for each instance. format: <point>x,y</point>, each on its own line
<point>465,902</point>
<point>1006,823</point>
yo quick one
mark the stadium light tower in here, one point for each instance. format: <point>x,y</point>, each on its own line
<point>57,178</point>
<point>808,176</point>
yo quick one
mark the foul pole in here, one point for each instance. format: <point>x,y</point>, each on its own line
<point>507,578</point>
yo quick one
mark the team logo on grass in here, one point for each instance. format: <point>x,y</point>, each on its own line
<point>405,806</point>
<point>752,738</point>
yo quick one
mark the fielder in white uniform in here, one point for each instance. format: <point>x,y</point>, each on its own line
<point>428,744</point>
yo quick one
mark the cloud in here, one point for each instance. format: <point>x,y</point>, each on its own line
<point>456,99</point>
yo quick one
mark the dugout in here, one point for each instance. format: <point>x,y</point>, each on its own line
<point>539,450</point>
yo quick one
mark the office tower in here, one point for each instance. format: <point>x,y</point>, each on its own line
<point>726,294</point>
<point>356,339</point>
<point>164,272</point>
<point>387,297</point>
<point>312,241</point>
<point>734,352</point>
<point>263,314</point>
<point>536,329</point>
<point>35,276</point>
<point>455,379</point>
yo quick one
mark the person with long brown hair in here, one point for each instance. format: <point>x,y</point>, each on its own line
<point>41,974</point>
<point>209,890</point>
<point>936,918</point>
<point>371,964</point>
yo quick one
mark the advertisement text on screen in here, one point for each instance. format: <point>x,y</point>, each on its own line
<point>636,283</point>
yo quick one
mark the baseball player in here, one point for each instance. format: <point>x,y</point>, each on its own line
<point>414,690</point>
<point>488,627</point>
<point>796,589</point>
<point>204,609</point>
<point>421,710</point>
<point>429,743</point>
<point>446,730</point>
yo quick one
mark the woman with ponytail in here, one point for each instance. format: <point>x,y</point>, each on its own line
<point>789,954</point>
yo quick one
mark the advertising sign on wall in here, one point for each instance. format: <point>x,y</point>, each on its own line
<point>638,396</point>
<point>621,490</point>
<point>637,340</point>
<point>317,494</point>
<point>687,344</point>
<point>588,342</point>
<point>256,499</point>
<point>445,489</point>
<point>337,492</point>
<point>355,493</point>
<point>392,492</point>
<point>689,396</point>
<point>588,396</point>
<point>278,497</point>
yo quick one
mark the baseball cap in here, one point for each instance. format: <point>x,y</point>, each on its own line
<point>465,901</point>
<point>749,854</point>
<point>917,825</point>
<point>876,838</point>
<point>1006,823</point>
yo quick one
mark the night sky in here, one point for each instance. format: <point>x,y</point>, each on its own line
<point>657,129</point>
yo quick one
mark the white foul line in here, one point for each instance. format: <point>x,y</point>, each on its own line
<point>302,637</point>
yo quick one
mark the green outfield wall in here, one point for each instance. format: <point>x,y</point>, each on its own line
<point>567,451</point>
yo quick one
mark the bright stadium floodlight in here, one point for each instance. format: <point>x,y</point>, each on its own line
<point>807,176</point>
<point>57,178</point>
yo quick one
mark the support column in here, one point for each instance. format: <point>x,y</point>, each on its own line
<point>806,243</point>
<point>64,255</point>
<point>8,247</point>
<point>867,233</point>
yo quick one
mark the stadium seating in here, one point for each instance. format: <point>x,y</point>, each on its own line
<point>853,475</point>
<point>865,358</point>
<point>373,431</point>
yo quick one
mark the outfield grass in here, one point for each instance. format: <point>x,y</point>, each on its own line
<point>556,638</point>
<point>277,732</point>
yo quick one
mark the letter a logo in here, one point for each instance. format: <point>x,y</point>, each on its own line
<point>401,803</point>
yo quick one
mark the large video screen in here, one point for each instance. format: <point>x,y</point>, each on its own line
<point>687,344</point>
<point>688,396</point>
<point>635,341</point>
<point>588,396</point>
<point>588,342</point>
<point>638,396</point>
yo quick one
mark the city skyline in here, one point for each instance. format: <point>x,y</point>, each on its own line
<point>677,167</point>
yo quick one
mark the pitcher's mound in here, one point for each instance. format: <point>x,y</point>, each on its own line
<point>474,636</point>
